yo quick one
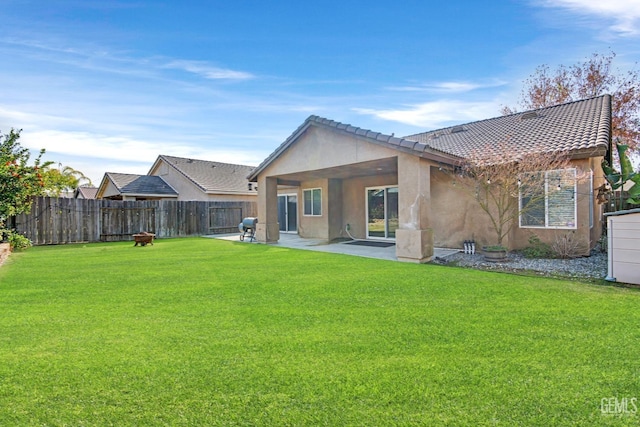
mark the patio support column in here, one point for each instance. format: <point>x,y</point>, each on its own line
<point>414,237</point>
<point>267,230</point>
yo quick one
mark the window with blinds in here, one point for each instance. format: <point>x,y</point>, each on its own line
<point>547,199</point>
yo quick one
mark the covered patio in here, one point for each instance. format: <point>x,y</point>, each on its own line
<point>350,183</point>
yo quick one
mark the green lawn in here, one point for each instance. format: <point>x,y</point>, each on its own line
<point>206,332</point>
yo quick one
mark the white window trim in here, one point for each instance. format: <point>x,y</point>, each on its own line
<point>311,190</point>
<point>546,204</point>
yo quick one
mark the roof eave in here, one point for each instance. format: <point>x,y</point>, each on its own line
<point>147,195</point>
<point>585,153</point>
<point>239,193</point>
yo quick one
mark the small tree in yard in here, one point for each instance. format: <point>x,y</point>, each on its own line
<point>19,181</point>
<point>499,182</point>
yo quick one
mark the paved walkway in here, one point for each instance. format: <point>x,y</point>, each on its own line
<point>294,241</point>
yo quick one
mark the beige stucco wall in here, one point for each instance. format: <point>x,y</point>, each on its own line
<point>583,234</point>
<point>188,190</point>
<point>460,218</point>
<point>598,209</point>
<point>320,149</point>
<point>314,227</point>
<point>457,216</point>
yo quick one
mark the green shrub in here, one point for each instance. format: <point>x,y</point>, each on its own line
<point>18,241</point>
<point>538,248</point>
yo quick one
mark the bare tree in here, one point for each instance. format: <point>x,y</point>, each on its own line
<point>593,77</point>
<point>510,187</point>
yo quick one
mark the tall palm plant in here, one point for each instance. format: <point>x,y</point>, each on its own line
<point>63,178</point>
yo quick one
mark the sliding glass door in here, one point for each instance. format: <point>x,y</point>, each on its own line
<point>382,212</point>
<point>288,212</point>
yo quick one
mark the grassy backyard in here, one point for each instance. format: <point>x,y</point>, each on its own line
<point>206,332</point>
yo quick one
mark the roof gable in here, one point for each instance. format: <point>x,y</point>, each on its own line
<point>86,192</point>
<point>208,176</point>
<point>390,141</point>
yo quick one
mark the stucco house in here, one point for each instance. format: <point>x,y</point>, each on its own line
<point>125,186</point>
<point>205,180</point>
<point>377,186</point>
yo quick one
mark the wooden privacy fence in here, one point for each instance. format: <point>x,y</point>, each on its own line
<point>62,220</point>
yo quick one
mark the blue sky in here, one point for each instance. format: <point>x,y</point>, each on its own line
<point>108,85</point>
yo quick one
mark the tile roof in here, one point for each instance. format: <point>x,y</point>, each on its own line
<point>210,176</point>
<point>140,184</point>
<point>582,128</point>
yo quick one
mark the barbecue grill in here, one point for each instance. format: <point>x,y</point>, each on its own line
<point>248,228</point>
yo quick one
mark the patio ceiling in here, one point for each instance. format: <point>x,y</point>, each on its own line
<point>387,166</point>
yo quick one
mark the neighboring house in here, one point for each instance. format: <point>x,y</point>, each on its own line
<point>378,186</point>
<point>205,180</point>
<point>124,186</point>
<point>85,192</point>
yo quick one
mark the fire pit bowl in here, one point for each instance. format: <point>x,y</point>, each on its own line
<point>143,238</point>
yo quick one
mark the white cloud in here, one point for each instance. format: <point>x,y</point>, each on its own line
<point>95,145</point>
<point>208,71</point>
<point>95,154</point>
<point>624,13</point>
<point>99,59</point>
<point>447,87</point>
<point>437,114</point>
<point>125,149</point>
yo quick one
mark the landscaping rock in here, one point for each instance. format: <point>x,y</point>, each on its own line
<point>592,267</point>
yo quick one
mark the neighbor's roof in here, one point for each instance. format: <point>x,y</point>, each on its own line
<point>210,177</point>
<point>87,192</point>
<point>582,128</point>
<point>140,185</point>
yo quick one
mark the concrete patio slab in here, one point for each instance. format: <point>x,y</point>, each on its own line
<point>296,242</point>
